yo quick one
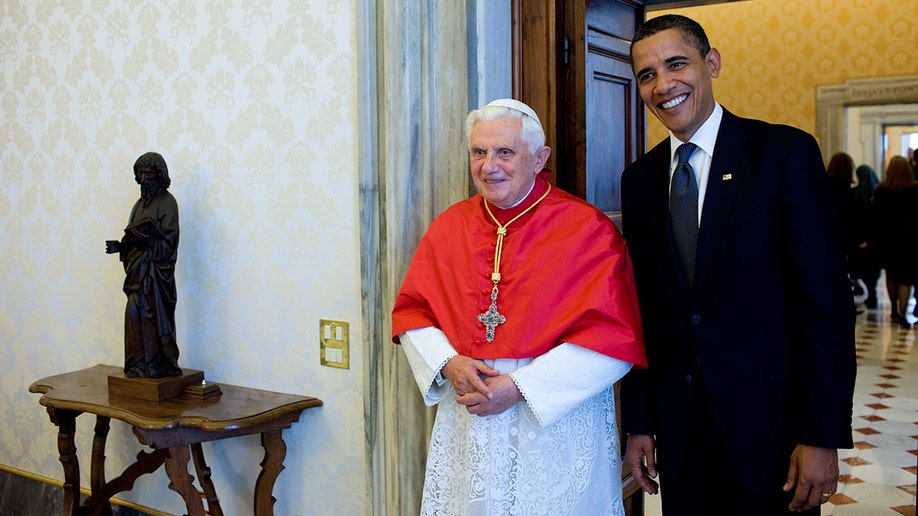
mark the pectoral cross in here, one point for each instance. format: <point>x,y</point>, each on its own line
<point>492,317</point>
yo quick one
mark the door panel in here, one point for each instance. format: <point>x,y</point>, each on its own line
<point>613,116</point>
<point>611,150</point>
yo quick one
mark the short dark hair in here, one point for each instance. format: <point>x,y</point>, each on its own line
<point>691,31</point>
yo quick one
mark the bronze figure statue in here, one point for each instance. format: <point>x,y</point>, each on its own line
<point>148,251</point>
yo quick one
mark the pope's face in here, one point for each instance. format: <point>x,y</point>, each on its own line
<point>503,168</point>
<point>675,81</point>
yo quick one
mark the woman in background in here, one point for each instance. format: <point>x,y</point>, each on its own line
<point>895,222</point>
<point>841,175</point>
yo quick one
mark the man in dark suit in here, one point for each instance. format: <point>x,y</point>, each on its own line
<point>748,318</point>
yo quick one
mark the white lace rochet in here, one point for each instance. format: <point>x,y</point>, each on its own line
<point>555,453</point>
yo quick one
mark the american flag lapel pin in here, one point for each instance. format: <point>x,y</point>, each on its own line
<point>726,177</point>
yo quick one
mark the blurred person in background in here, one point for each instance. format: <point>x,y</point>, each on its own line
<point>894,218</point>
<point>841,176</point>
<point>863,263</point>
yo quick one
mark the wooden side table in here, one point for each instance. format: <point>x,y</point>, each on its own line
<point>174,428</point>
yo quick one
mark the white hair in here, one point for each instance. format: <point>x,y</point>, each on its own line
<point>531,133</point>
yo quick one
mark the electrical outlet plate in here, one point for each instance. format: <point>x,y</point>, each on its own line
<point>334,343</point>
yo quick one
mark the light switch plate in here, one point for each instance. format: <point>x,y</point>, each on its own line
<point>334,343</point>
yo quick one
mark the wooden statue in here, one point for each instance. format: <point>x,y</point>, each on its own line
<point>148,251</point>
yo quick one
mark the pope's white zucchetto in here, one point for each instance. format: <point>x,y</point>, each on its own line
<point>517,106</point>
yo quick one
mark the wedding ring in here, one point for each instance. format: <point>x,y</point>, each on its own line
<point>827,493</point>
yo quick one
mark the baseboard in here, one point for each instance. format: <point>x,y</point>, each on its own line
<point>45,481</point>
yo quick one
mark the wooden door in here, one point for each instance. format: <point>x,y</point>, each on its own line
<point>572,65</point>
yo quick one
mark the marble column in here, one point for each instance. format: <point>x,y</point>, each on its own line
<point>413,102</point>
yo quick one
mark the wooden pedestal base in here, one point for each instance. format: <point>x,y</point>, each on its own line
<point>153,389</point>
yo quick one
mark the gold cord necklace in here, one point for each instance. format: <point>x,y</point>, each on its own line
<point>491,318</point>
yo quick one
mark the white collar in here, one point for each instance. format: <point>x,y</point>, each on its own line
<point>705,137</point>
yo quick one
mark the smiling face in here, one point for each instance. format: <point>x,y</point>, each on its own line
<point>675,80</point>
<point>503,168</point>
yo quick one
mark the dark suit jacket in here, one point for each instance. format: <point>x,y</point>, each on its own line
<point>769,324</point>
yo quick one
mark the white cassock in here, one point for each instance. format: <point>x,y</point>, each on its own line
<point>554,453</point>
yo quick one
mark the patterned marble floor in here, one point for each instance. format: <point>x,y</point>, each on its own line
<point>878,475</point>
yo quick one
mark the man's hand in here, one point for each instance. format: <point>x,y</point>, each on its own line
<point>465,373</point>
<point>640,456</point>
<point>815,473</point>
<point>504,391</point>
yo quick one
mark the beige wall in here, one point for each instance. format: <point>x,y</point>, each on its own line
<point>775,53</point>
<point>254,106</point>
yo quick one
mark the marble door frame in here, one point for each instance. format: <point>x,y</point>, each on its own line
<point>832,100</point>
<point>413,98</point>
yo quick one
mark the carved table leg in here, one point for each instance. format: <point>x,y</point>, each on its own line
<point>97,465</point>
<point>182,482</point>
<point>213,503</point>
<point>65,420</point>
<point>271,466</point>
<point>146,463</point>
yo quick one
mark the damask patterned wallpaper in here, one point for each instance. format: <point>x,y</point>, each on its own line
<point>775,53</point>
<point>253,104</point>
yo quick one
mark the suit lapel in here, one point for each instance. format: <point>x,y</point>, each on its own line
<point>724,180</point>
